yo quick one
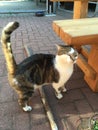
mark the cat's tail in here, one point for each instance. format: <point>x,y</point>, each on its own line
<point>6,45</point>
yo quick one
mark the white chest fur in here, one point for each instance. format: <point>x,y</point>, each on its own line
<point>64,65</point>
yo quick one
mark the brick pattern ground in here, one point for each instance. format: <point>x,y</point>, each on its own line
<point>78,103</point>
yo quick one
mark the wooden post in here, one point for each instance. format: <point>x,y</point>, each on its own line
<point>93,57</point>
<point>93,62</point>
<point>80,9</point>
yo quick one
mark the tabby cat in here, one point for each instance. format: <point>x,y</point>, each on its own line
<point>38,69</point>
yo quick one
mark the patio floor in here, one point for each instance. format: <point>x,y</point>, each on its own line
<point>79,102</point>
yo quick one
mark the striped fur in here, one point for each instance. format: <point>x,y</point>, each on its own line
<point>5,40</point>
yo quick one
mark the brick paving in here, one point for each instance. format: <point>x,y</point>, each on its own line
<point>78,103</point>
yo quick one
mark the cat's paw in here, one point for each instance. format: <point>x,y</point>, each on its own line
<point>27,108</point>
<point>59,95</point>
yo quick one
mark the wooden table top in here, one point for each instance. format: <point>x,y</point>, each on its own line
<point>77,31</point>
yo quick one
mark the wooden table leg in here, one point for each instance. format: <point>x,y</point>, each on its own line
<point>93,62</point>
<point>80,9</point>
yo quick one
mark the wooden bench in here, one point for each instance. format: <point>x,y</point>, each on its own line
<point>80,7</point>
<point>81,32</point>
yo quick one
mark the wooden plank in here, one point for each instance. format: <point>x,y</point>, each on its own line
<point>85,52</point>
<point>93,57</point>
<point>81,30</point>
<point>89,72</point>
<point>93,84</point>
<point>84,21</point>
<point>80,35</point>
<point>56,28</point>
<point>70,23</point>
<point>85,40</point>
<point>48,110</point>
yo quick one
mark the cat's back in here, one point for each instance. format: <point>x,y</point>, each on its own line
<point>38,69</point>
<point>40,60</point>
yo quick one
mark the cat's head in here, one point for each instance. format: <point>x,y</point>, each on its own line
<point>67,50</point>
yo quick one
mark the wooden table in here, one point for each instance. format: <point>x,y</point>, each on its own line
<point>80,7</point>
<point>80,32</point>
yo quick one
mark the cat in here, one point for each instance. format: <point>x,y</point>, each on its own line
<point>38,69</point>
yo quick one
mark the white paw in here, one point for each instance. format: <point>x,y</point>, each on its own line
<point>59,95</point>
<point>64,90</point>
<point>27,108</point>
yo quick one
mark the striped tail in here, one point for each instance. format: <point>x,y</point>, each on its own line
<point>6,45</point>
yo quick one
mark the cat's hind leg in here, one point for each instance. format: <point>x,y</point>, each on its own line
<point>27,108</point>
<point>23,102</point>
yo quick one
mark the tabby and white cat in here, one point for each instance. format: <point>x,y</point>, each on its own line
<point>37,69</point>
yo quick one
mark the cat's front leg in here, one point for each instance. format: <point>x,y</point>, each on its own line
<point>58,95</point>
<point>57,91</point>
